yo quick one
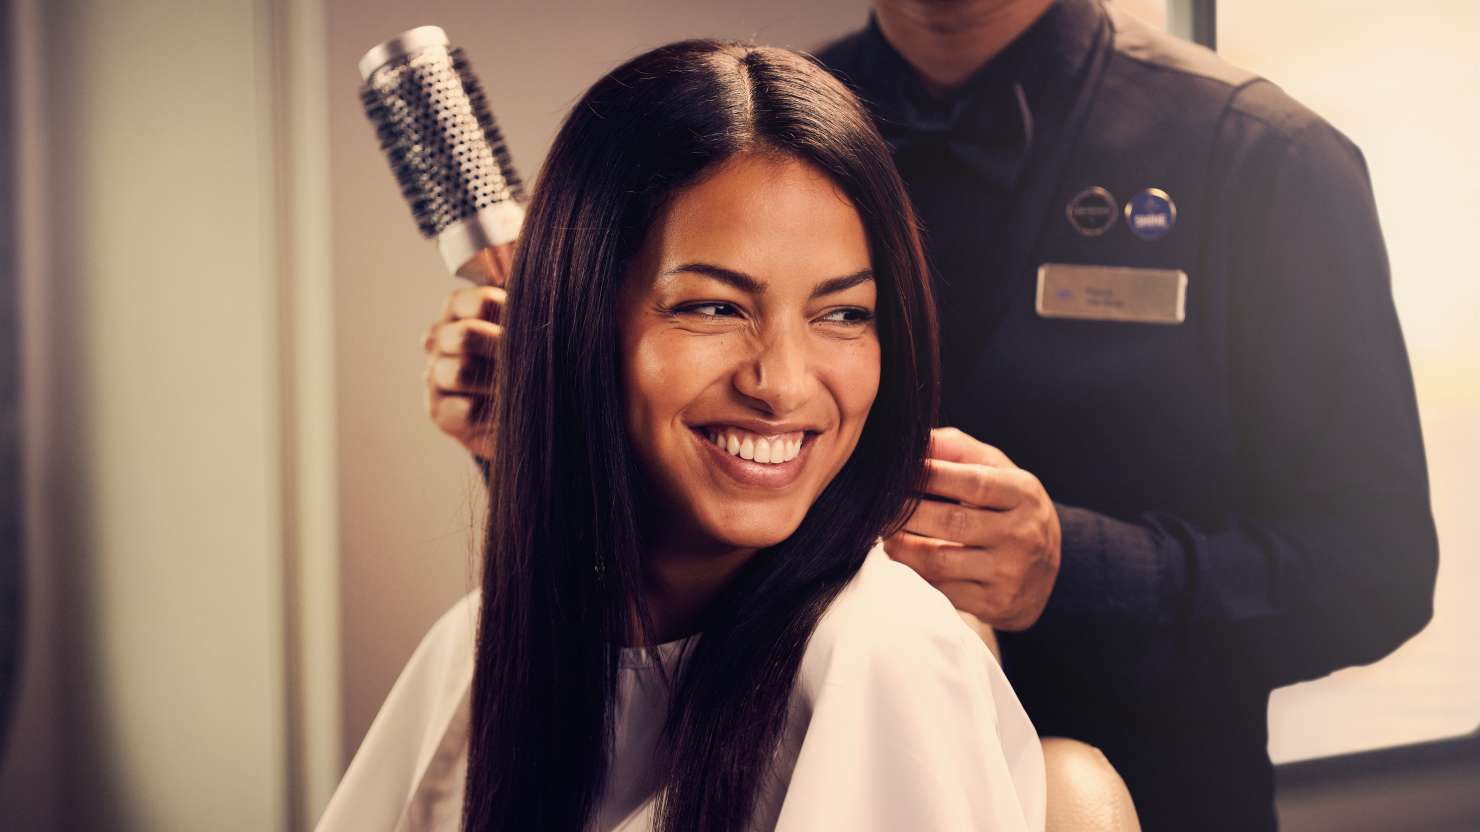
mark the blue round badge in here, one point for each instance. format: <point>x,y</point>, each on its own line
<point>1151,214</point>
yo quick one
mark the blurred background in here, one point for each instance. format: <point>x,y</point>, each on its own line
<point>237,521</point>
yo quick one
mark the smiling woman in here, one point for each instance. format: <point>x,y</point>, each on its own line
<point>750,357</point>
<point>715,388</point>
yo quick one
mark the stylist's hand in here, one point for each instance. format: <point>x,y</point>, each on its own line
<point>990,539</point>
<point>461,347</point>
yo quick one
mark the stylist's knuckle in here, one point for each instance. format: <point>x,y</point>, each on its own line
<point>1035,485</point>
<point>1006,573</point>
<point>1032,487</point>
<point>466,303</point>
<point>447,372</point>
<point>455,416</point>
<point>1043,537</point>
<point>1015,537</point>
<point>957,523</point>
<point>449,339</point>
<point>458,339</point>
<point>981,485</point>
<point>988,606</point>
<point>940,563</point>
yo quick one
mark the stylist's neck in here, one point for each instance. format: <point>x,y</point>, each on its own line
<point>681,579</point>
<point>946,41</point>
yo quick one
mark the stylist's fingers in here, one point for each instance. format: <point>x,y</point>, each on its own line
<point>462,348</point>
<point>459,374</point>
<point>480,302</point>
<point>956,523</point>
<point>468,336</point>
<point>939,560</point>
<point>464,418</point>
<point>978,484</point>
<point>955,445</point>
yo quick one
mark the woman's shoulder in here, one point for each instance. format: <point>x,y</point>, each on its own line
<point>440,668</point>
<point>419,732</point>
<point>888,617</point>
<point>442,663</point>
<point>905,720</point>
<point>451,638</point>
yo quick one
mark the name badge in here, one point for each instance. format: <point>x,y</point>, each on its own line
<point>1112,293</point>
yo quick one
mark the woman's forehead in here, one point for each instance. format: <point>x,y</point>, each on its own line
<point>773,217</point>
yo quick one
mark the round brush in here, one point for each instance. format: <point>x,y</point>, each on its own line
<point>445,150</point>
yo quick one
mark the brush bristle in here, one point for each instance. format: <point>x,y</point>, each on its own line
<point>443,144</point>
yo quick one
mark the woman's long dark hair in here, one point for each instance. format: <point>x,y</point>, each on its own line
<point>563,572</point>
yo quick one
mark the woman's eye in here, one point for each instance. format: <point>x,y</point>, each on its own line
<point>850,315</point>
<point>711,310</point>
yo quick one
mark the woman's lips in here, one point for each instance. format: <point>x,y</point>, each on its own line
<point>755,474</point>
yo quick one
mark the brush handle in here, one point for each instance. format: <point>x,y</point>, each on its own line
<point>490,266</point>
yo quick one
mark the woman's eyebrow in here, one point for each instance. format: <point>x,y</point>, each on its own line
<point>750,285</point>
<point>838,284</point>
<point>738,280</point>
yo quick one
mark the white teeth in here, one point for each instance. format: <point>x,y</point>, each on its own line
<point>765,450</point>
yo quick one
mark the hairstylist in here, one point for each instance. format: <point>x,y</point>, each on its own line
<point>1164,293</point>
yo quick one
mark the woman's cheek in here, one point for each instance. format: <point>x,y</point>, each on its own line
<point>855,371</point>
<point>667,370</point>
<point>674,361</point>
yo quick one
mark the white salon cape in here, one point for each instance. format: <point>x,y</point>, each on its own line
<point>901,719</point>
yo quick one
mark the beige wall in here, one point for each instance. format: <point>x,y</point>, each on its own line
<point>177,495</point>
<point>154,368</point>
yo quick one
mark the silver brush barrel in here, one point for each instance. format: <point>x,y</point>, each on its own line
<point>445,148</point>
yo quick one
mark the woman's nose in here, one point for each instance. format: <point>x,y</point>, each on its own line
<point>778,376</point>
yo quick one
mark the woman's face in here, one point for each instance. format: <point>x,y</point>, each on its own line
<point>749,348</point>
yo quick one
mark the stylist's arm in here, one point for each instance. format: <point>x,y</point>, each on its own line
<point>461,347</point>
<point>987,535</point>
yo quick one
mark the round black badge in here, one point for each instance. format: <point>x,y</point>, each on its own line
<point>1092,211</point>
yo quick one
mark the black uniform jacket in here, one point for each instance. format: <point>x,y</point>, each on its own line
<point>1243,495</point>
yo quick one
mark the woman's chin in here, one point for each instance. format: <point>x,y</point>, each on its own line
<point>756,540</point>
<point>756,531</point>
